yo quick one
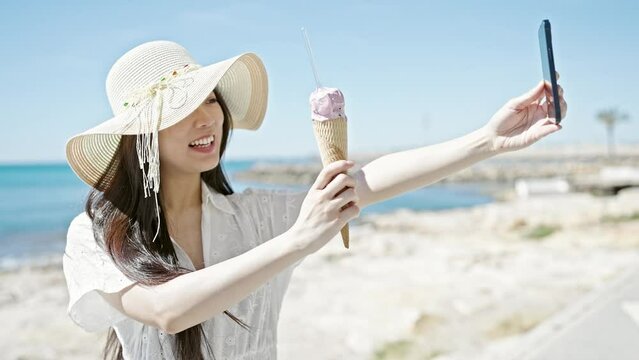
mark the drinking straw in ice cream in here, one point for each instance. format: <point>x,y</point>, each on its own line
<point>329,123</point>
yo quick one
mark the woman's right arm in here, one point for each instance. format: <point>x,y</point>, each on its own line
<point>192,298</point>
<point>195,297</point>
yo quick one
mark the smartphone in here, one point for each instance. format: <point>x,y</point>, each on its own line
<point>548,69</point>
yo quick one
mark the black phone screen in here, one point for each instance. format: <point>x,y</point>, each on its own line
<point>548,69</point>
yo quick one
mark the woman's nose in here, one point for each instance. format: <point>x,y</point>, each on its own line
<point>204,118</point>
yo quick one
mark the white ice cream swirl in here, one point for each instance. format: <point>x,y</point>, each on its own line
<point>327,103</point>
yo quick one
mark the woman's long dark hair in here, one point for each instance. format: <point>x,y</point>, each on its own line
<point>125,222</point>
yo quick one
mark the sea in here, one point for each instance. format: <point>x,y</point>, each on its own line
<point>38,202</point>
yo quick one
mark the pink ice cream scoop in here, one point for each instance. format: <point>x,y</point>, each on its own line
<point>326,104</point>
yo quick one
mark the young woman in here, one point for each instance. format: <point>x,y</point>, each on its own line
<point>193,270</point>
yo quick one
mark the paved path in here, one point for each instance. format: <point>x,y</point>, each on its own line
<point>604,325</point>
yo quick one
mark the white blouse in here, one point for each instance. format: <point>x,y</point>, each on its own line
<point>231,225</point>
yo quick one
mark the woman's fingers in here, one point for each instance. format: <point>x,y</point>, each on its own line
<point>548,129</point>
<point>329,172</point>
<point>564,107</point>
<point>342,200</point>
<point>534,95</point>
<point>562,102</point>
<point>529,97</point>
<point>338,184</point>
<point>349,213</point>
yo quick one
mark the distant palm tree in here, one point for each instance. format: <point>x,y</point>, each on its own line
<point>610,118</point>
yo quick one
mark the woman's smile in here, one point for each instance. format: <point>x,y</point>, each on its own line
<point>206,149</point>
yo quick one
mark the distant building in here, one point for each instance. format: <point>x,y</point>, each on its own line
<point>532,187</point>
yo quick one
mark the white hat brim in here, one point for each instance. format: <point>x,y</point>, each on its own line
<point>241,81</point>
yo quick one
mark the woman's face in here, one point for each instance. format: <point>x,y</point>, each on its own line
<point>176,155</point>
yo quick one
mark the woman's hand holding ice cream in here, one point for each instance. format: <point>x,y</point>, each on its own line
<point>321,215</point>
<point>331,130</point>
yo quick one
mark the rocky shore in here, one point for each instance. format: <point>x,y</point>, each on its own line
<point>570,162</point>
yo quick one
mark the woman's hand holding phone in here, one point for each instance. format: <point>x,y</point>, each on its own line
<point>523,120</point>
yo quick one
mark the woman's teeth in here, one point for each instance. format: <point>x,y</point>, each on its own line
<point>203,142</point>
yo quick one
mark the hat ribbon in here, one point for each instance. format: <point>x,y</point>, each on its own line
<point>146,105</point>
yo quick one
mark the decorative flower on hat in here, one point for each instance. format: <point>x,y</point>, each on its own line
<point>165,82</point>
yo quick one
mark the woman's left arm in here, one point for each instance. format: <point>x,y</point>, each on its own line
<point>519,123</point>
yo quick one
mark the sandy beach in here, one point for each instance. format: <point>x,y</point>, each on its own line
<point>454,284</point>
<point>460,284</point>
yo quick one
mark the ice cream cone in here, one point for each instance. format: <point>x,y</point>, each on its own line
<point>332,139</point>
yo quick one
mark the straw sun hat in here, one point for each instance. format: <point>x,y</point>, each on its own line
<point>155,85</point>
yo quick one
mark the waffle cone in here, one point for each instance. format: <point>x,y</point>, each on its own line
<point>332,139</point>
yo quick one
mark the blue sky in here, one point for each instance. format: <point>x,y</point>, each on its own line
<point>413,73</point>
